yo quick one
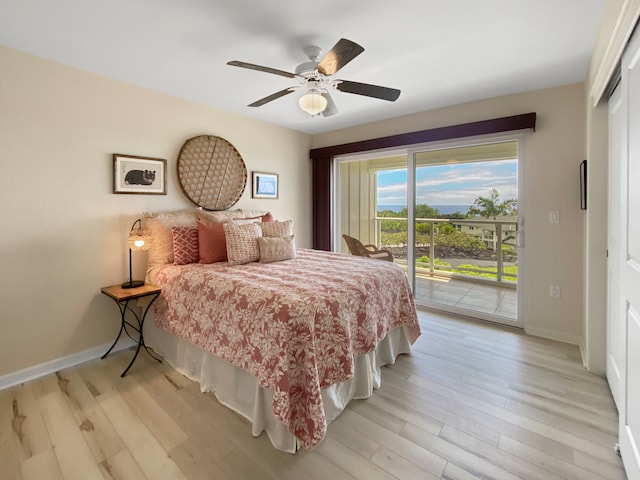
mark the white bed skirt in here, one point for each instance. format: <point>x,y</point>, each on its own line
<point>241,392</point>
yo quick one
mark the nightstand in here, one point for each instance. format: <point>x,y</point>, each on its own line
<point>122,297</point>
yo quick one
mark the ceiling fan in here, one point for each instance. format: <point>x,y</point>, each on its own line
<point>316,78</point>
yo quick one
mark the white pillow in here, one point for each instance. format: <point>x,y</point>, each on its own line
<point>276,249</point>
<point>277,229</point>
<point>221,216</point>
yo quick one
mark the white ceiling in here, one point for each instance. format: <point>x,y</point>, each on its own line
<point>437,52</point>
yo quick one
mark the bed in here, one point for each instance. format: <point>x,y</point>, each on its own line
<point>287,344</point>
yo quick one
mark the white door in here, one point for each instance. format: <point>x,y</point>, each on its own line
<point>630,268</point>
<point>616,332</point>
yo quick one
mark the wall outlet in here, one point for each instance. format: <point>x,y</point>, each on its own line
<point>554,291</point>
<point>554,217</point>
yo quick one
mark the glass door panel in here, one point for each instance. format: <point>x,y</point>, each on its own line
<point>465,230</point>
<point>372,203</point>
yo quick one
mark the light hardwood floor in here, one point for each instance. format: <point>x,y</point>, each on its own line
<point>473,401</point>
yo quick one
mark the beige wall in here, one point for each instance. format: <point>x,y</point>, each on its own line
<point>64,232</point>
<point>553,154</point>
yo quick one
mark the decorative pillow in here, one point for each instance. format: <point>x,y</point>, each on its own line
<point>242,242</point>
<point>250,213</point>
<point>185,245</point>
<point>211,242</point>
<point>240,216</point>
<point>244,221</point>
<point>277,248</point>
<point>218,216</point>
<point>277,229</point>
<point>267,217</point>
<point>159,226</point>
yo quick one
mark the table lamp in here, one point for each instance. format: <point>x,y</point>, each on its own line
<point>139,239</point>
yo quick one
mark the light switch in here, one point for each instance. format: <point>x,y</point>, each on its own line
<point>554,217</point>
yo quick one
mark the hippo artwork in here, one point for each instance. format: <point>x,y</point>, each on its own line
<point>140,177</point>
<point>132,174</point>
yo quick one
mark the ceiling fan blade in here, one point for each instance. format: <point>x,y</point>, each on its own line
<point>270,98</point>
<point>342,53</point>
<point>368,90</point>
<point>331,108</point>
<point>260,68</point>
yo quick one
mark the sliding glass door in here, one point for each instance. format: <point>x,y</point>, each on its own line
<point>466,207</point>
<point>449,215</point>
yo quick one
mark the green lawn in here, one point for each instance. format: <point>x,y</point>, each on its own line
<point>486,272</point>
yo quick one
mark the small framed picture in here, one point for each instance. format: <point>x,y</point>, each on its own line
<point>133,174</point>
<point>265,185</point>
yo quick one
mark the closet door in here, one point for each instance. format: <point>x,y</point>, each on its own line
<point>616,331</point>
<point>630,268</point>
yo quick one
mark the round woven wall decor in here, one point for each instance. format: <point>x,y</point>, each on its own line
<point>211,172</point>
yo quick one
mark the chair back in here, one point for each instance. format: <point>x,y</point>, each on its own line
<point>356,247</point>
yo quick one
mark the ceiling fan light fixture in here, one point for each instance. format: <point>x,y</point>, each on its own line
<point>315,78</point>
<point>313,102</point>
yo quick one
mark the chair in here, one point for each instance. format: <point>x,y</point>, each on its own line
<point>356,247</point>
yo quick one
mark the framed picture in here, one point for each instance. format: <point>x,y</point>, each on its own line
<point>139,175</point>
<point>583,185</point>
<point>265,185</point>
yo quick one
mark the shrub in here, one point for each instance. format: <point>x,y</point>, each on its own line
<point>461,241</point>
<point>389,239</point>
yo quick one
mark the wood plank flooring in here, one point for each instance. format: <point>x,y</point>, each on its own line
<point>473,401</point>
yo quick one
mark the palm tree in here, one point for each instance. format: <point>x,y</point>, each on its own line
<point>492,206</point>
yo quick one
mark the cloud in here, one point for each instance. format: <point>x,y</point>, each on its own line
<point>458,184</point>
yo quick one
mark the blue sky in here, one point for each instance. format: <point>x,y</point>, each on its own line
<point>451,184</point>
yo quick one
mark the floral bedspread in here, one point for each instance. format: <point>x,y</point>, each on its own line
<point>295,325</point>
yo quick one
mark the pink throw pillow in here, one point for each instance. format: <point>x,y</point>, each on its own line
<point>212,242</point>
<point>185,245</point>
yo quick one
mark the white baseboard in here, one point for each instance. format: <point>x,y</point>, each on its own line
<point>553,335</point>
<point>583,353</point>
<point>37,371</point>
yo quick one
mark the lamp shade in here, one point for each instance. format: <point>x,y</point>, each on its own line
<point>313,102</point>
<point>139,239</point>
